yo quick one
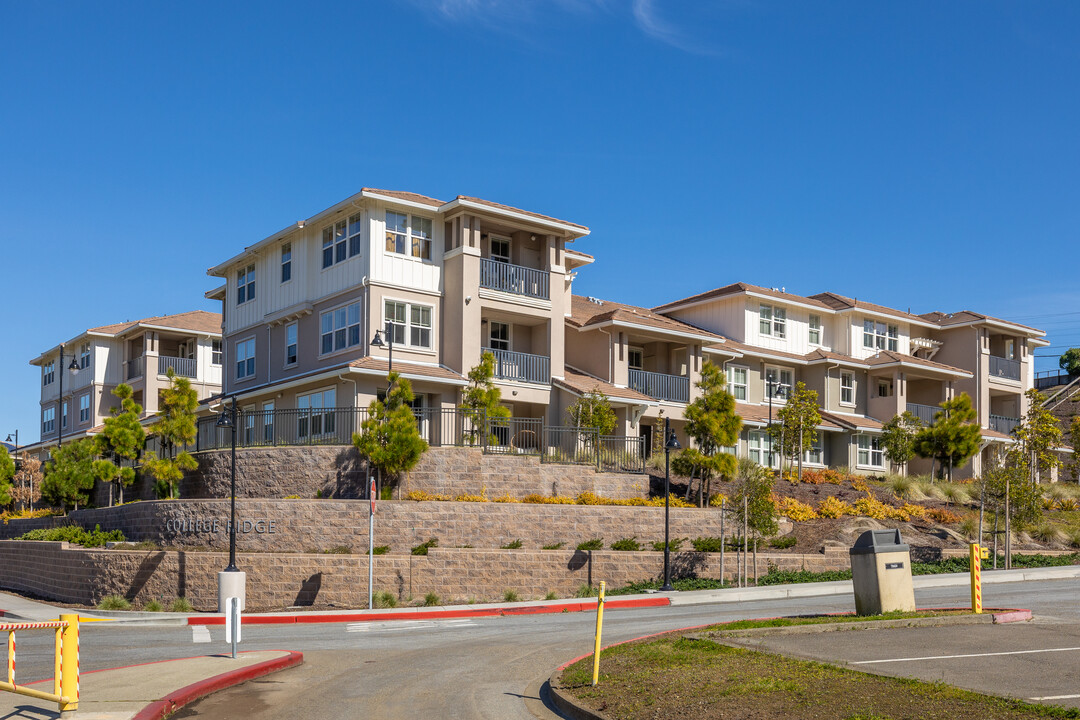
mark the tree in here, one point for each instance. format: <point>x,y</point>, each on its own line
<point>799,418</point>
<point>121,439</point>
<point>7,471</point>
<point>593,411</point>
<point>175,428</point>
<point>389,437</point>
<point>1074,440</point>
<point>1038,435</point>
<point>753,505</point>
<point>898,437</point>
<point>1070,361</point>
<point>28,478</point>
<point>69,475</point>
<point>954,437</point>
<point>713,424</point>
<point>481,396</point>
<point>1009,492</point>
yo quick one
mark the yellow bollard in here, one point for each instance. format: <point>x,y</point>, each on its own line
<point>69,663</point>
<point>599,626</point>
<point>58,667</point>
<point>975,557</point>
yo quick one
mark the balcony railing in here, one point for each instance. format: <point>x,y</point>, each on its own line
<point>675,388</point>
<point>1003,424</point>
<point>1004,368</point>
<point>133,368</point>
<point>925,413</point>
<point>514,279</point>
<point>522,367</point>
<point>184,367</point>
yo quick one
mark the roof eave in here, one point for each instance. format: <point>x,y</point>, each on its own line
<point>574,230</point>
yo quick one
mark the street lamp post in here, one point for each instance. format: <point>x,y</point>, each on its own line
<point>74,368</point>
<point>772,383</point>
<point>670,443</point>
<point>16,459</point>
<point>231,581</point>
<point>377,341</point>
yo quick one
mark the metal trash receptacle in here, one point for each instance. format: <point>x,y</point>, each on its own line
<point>881,573</point>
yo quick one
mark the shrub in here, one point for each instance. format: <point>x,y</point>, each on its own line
<point>1048,533</point>
<point>833,507</point>
<point>871,507</point>
<point>431,600</point>
<point>784,542</point>
<point>707,544</point>
<point>421,496</point>
<point>75,535</point>
<point>942,516</point>
<point>181,605</point>
<point>901,486</point>
<point>914,511</point>
<point>630,544</point>
<point>551,596</point>
<point>113,602</point>
<point>969,526</point>
<point>505,499</point>
<point>512,545</point>
<point>955,494</point>
<point>594,544</point>
<point>385,600</point>
<point>422,548</point>
<point>795,510</point>
<point>470,498</point>
<point>1074,538</point>
<point>511,596</point>
<point>718,500</point>
<point>858,483</point>
<point>1067,504</point>
<point>553,546</point>
<point>293,497</point>
<point>586,591</point>
<point>338,550</point>
<point>153,606</point>
<point>380,549</point>
<point>675,544</point>
<point>537,498</point>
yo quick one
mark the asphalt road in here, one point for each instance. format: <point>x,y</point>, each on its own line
<point>495,667</point>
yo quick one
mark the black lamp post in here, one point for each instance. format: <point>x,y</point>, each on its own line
<point>227,419</point>
<point>670,443</point>
<point>74,368</point>
<point>16,458</point>
<point>377,341</point>
<point>772,383</point>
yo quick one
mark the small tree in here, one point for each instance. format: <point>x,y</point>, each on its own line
<point>175,428</point>
<point>1009,492</point>
<point>69,475</point>
<point>1070,361</point>
<point>753,505</point>
<point>954,437</point>
<point>121,439</point>
<point>799,419</point>
<point>7,471</point>
<point>1039,434</point>
<point>593,411</point>
<point>1074,440</point>
<point>481,396</point>
<point>389,437</point>
<point>713,424</point>
<point>898,438</point>
<point>28,478</point>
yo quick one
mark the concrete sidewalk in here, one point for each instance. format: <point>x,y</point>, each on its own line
<point>153,690</point>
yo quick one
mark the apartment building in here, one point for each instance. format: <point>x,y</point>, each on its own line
<point>443,280</point>
<point>140,353</point>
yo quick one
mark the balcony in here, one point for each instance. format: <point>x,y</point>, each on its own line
<point>184,367</point>
<point>133,368</point>
<point>1003,424</point>
<point>514,279</point>
<point>925,413</point>
<point>675,388</point>
<point>521,367</point>
<point>1004,368</point>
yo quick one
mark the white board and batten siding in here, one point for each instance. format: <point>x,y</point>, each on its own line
<point>405,271</point>
<point>724,316</point>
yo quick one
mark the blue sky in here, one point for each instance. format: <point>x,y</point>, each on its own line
<point>918,155</point>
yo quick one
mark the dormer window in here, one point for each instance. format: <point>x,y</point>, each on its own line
<point>772,321</point>
<point>881,336</point>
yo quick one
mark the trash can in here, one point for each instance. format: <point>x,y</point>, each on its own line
<point>881,573</point>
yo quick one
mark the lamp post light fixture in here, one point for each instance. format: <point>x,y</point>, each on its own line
<point>771,382</point>
<point>670,443</point>
<point>231,581</point>
<point>16,459</point>
<point>74,369</point>
<point>377,341</point>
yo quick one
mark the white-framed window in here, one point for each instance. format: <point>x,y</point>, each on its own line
<point>268,421</point>
<point>758,445</point>
<point>499,335</point>
<point>342,240</point>
<point>84,408</point>
<point>339,328</point>
<point>245,285</point>
<point>408,235</point>
<point>215,352</point>
<point>290,344</point>
<point>1010,349</point>
<point>315,418</point>
<point>880,335</point>
<point>48,373</point>
<point>736,377</point>
<point>870,452</point>
<point>884,388</point>
<point>779,379</point>
<point>286,262</point>
<point>410,323</point>
<point>48,420</point>
<point>772,321</point>
<point>84,356</point>
<point>814,454</point>
<point>245,359</point>
<point>635,358</point>
<point>500,249</point>
<point>847,388</point>
<point>815,330</point>
<point>63,414</point>
<point>420,234</point>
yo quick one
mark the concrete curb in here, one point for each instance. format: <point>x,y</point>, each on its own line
<point>177,699</point>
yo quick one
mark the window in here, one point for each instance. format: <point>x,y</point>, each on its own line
<point>815,329</point>
<point>500,249</point>
<point>884,388</point>
<point>48,372</point>
<point>870,453</point>
<point>814,454</point>
<point>245,285</point>
<point>880,336</point>
<point>1010,349</point>
<point>355,238</point>
<point>339,328</point>
<point>48,420</point>
<point>215,352</point>
<point>420,232</point>
<point>63,414</point>
<point>268,421</point>
<point>772,321</point>
<point>290,344</point>
<point>286,262</point>
<point>759,446</point>
<point>84,409</point>
<point>315,418</point>
<point>418,327</point>
<point>499,336</point>
<point>779,380</point>
<point>404,237</point>
<point>245,359</point>
<point>84,356</point>
<point>847,388</point>
<point>341,240</point>
<point>635,358</point>
<point>737,382</point>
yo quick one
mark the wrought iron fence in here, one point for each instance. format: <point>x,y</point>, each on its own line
<point>622,453</point>
<point>513,436</point>
<point>570,445</point>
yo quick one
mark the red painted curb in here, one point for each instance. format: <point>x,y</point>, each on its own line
<point>177,699</point>
<point>302,618</point>
<point>1012,616</point>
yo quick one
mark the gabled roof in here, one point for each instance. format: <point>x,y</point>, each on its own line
<point>970,316</point>
<point>199,321</point>
<point>407,196</point>
<point>759,415</point>
<point>509,208</point>
<point>852,422</point>
<point>381,366</point>
<point>586,312</point>
<point>840,302</point>
<point>582,383</point>
<point>888,357</point>
<point>739,288</point>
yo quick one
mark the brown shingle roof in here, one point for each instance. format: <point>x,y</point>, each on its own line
<point>500,206</point>
<point>585,312</point>
<point>406,368</point>
<point>196,321</point>
<point>759,415</point>
<point>409,196</point>
<point>582,383</point>
<point>840,302</point>
<point>741,287</point>
<point>966,316</point>
<point>852,422</point>
<point>887,357</point>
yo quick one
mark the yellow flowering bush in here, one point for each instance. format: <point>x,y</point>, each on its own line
<point>832,507</point>
<point>914,511</point>
<point>795,510</point>
<point>871,507</point>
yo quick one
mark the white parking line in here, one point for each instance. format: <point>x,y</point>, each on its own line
<point>1056,697</point>
<point>408,625</point>
<point>200,634</point>
<point>973,655</point>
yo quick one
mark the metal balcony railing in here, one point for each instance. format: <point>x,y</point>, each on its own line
<point>184,367</point>
<point>1004,424</point>
<point>514,279</point>
<point>523,367</point>
<point>675,388</point>
<point>1004,368</point>
<point>925,413</point>
<point>133,368</point>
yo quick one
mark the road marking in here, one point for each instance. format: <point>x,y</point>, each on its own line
<point>200,634</point>
<point>1056,697</point>
<point>973,655</point>
<point>393,626</point>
